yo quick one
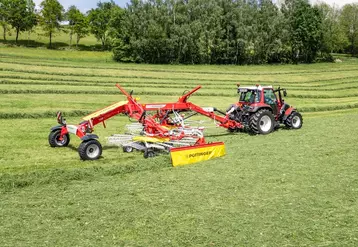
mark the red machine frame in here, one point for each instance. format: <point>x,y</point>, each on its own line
<point>154,125</point>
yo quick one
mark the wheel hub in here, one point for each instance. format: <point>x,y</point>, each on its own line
<point>61,142</point>
<point>93,151</point>
<point>265,123</point>
<point>296,121</point>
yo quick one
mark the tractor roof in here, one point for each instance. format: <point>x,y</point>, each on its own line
<point>241,89</point>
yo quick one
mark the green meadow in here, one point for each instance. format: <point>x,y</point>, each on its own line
<point>289,188</point>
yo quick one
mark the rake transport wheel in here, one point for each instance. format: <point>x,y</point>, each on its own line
<point>262,122</point>
<point>149,154</point>
<point>127,149</point>
<point>294,121</point>
<point>54,139</point>
<point>90,150</point>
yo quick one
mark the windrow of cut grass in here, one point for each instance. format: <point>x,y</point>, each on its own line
<point>343,86</point>
<point>86,72</point>
<point>64,75</point>
<point>31,89</point>
<point>46,105</point>
<point>273,71</point>
<point>166,81</point>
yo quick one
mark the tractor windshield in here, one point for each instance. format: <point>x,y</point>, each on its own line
<point>250,96</point>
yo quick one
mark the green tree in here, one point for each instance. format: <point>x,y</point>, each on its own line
<point>217,31</point>
<point>51,15</point>
<point>305,29</point>
<point>334,38</point>
<point>4,16</point>
<point>349,21</point>
<point>21,16</point>
<point>31,7</point>
<point>78,24</point>
<point>81,28</point>
<point>99,20</point>
<point>71,16</point>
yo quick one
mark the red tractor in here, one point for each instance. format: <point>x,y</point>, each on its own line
<point>262,109</point>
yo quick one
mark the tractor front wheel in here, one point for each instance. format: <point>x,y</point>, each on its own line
<point>90,150</point>
<point>262,122</point>
<point>294,121</point>
<point>55,140</point>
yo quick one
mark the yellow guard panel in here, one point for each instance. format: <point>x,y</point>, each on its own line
<point>190,155</point>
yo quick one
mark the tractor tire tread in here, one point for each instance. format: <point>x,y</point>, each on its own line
<point>52,139</point>
<point>289,119</point>
<point>254,121</point>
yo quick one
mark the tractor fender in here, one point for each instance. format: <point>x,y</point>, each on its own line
<point>58,127</point>
<point>89,137</point>
<point>288,112</point>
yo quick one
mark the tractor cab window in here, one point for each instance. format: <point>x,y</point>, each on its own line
<point>270,97</point>
<point>250,96</point>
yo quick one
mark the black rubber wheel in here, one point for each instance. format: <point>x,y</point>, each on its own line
<point>149,154</point>
<point>127,149</point>
<point>262,122</point>
<point>54,139</point>
<point>90,150</point>
<point>294,121</point>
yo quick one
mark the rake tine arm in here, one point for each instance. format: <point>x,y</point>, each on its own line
<point>185,97</point>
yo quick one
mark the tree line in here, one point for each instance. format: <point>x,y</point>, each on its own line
<point>199,31</point>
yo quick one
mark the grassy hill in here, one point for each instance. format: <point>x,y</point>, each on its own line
<point>61,39</point>
<point>289,188</point>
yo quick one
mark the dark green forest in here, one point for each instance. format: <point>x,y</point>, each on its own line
<point>201,31</point>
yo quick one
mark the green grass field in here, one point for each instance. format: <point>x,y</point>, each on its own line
<point>289,188</point>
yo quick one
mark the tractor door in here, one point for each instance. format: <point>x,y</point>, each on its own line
<point>271,100</point>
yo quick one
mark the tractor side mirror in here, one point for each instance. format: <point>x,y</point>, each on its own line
<point>284,92</point>
<point>131,93</point>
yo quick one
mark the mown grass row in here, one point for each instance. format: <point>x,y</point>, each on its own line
<point>9,182</point>
<point>109,76</point>
<point>110,84</point>
<point>118,67</point>
<point>52,70</point>
<point>169,85</point>
<point>142,82</point>
<point>161,93</point>
<point>82,113</point>
<point>100,80</point>
<point>92,77</point>
<point>138,79</point>
<point>46,114</point>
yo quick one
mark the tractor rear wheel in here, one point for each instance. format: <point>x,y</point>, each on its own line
<point>54,139</point>
<point>294,121</point>
<point>90,150</point>
<point>262,122</point>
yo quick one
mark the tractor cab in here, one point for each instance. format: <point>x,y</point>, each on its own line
<point>253,98</point>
